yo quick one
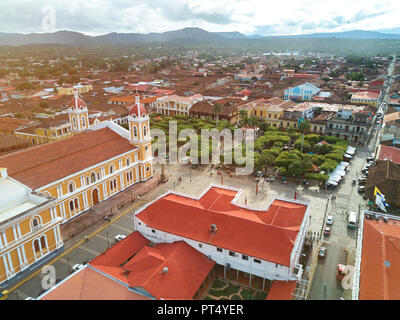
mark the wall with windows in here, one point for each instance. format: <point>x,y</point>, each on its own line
<point>236,260</point>
<point>79,192</point>
<point>27,240</point>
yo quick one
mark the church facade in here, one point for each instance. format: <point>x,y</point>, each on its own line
<point>78,172</point>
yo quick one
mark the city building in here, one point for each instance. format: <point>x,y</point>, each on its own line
<point>385,175</point>
<point>377,258</point>
<point>69,90</point>
<point>365,97</point>
<point>305,91</point>
<point>174,104</point>
<point>205,109</point>
<point>255,244</point>
<point>88,167</point>
<point>137,269</point>
<point>29,228</point>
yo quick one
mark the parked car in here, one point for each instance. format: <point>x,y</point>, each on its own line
<point>322,252</point>
<point>77,267</point>
<point>370,159</point>
<point>361,181</point>
<point>305,183</point>
<point>361,189</point>
<point>119,237</point>
<point>329,220</point>
<point>327,231</point>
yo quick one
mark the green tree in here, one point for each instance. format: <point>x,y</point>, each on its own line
<point>217,110</point>
<point>304,127</point>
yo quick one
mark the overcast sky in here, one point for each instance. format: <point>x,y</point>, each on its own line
<point>264,17</point>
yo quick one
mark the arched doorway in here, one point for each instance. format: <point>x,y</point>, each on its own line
<point>95,196</point>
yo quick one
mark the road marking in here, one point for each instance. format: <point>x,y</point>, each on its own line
<point>101,237</point>
<point>122,228</point>
<point>95,253</point>
<point>77,245</point>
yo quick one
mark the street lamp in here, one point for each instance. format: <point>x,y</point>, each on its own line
<point>108,242</point>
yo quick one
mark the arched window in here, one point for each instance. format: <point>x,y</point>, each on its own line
<point>35,223</point>
<point>93,177</point>
<point>145,131</point>
<point>83,122</point>
<point>71,187</point>
<point>87,180</point>
<point>36,245</point>
<point>76,204</point>
<point>74,122</point>
<point>71,206</point>
<point>134,131</point>
<point>111,169</point>
<point>98,175</point>
<point>128,161</point>
<point>43,242</point>
<point>115,183</point>
<point>111,186</point>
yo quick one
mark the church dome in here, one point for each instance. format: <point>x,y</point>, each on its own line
<point>136,108</point>
<point>77,103</point>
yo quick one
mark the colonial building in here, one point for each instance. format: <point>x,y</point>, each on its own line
<point>29,228</point>
<point>89,167</point>
<point>174,104</point>
<point>257,244</point>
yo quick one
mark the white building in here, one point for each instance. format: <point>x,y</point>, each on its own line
<point>266,243</point>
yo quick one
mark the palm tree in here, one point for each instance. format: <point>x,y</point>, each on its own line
<point>217,110</point>
<point>243,118</point>
<point>292,132</point>
<point>304,127</point>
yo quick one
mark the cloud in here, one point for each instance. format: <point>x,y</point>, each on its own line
<point>246,16</point>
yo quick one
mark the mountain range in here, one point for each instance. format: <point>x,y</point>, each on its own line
<point>182,35</point>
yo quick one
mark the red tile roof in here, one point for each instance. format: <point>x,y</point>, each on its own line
<point>141,266</point>
<point>281,290</point>
<point>239,229</point>
<point>380,261</point>
<point>89,284</point>
<point>389,153</point>
<point>44,164</point>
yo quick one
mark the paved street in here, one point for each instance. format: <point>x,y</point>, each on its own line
<point>341,243</point>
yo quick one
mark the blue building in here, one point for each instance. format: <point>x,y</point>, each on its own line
<point>306,91</point>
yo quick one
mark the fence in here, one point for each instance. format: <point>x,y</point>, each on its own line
<point>104,210</point>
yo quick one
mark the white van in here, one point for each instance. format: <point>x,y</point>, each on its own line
<point>352,223</point>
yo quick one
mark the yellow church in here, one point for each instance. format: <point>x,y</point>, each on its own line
<point>60,180</point>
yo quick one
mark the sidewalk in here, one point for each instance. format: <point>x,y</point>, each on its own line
<point>86,223</point>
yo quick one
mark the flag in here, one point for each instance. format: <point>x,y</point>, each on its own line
<point>380,200</point>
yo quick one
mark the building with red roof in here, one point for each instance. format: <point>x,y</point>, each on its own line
<point>389,153</point>
<point>377,258</point>
<point>136,269</point>
<point>265,243</point>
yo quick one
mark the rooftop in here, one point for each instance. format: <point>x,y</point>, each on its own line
<point>44,164</point>
<point>380,260</point>
<point>266,234</point>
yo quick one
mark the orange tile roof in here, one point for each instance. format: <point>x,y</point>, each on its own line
<point>380,261</point>
<point>44,164</point>
<point>138,265</point>
<point>281,290</point>
<point>239,229</point>
<point>89,284</point>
